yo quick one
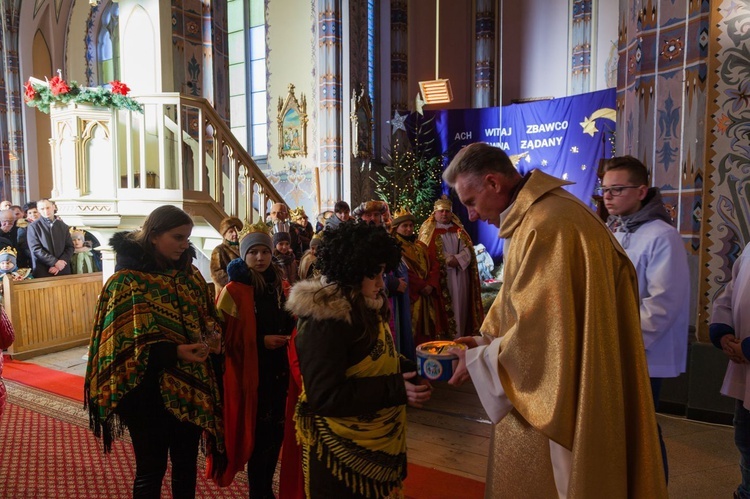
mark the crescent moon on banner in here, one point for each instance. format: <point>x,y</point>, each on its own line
<point>589,124</point>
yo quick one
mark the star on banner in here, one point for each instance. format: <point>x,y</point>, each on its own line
<point>397,123</point>
<point>419,104</point>
<point>589,124</point>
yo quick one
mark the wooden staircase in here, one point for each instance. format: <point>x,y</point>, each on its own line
<point>186,153</point>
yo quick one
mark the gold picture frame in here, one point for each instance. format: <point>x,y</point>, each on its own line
<point>361,124</point>
<point>292,121</point>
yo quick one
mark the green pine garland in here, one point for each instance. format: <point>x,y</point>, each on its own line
<point>40,96</point>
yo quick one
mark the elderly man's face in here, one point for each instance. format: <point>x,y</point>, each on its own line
<point>279,213</point>
<point>7,220</point>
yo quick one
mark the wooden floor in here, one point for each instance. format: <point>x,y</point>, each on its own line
<point>452,434</point>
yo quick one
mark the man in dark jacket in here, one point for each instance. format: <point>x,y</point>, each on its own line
<point>49,243</point>
<point>11,234</point>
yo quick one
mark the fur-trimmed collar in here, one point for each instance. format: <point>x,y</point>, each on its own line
<point>130,254</point>
<point>316,299</point>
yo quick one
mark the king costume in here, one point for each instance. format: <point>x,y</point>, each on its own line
<point>427,319</point>
<point>460,289</point>
<point>562,370</point>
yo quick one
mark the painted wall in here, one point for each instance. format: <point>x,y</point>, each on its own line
<point>292,50</point>
<point>535,51</point>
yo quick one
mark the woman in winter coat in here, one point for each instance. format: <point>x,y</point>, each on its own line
<point>149,367</point>
<point>351,415</point>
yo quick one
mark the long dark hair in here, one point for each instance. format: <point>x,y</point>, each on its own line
<point>161,220</point>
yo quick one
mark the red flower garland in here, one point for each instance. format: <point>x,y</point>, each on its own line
<point>119,87</point>
<point>58,86</point>
<point>29,92</point>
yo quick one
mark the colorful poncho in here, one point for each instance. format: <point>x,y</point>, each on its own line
<point>136,310</point>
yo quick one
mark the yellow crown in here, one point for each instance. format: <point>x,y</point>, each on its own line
<point>259,226</point>
<point>443,204</point>
<point>9,250</point>
<point>77,233</point>
<point>297,213</point>
<point>402,212</point>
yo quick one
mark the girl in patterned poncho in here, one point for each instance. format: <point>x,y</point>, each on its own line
<point>148,368</point>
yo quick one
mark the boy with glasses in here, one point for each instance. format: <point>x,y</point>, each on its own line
<point>644,229</point>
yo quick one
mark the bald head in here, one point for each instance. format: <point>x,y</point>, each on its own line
<point>7,220</point>
<point>279,212</point>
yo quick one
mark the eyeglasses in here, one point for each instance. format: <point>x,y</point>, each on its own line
<point>615,190</point>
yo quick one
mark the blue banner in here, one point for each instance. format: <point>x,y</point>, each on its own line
<point>564,137</point>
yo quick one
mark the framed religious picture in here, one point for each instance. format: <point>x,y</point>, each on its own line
<point>361,124</point>
<point>292,121</point>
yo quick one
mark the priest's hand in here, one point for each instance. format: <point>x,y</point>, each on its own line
<point>418,391</point>
<point>427,290</point>
<point>469,341</point>
<point>461,374</point>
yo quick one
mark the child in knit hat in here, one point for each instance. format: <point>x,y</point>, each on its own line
<point>284,256</point>
<point>8,265</point>
<point>257,329</point>
<point>83,260</point>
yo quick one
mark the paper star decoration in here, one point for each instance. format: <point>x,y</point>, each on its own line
<point>397,123</point>
<point>419,104</point>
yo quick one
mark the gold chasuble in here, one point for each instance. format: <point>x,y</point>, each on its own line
<point>572,360</point>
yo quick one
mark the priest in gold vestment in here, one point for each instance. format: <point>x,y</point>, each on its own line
<point>560,366</point>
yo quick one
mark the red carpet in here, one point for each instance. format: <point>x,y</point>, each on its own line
<point>49,380</point>
<point>57,455</point>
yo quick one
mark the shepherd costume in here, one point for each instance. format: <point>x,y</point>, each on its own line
<point>142,315</point>
<point>351,415</point>
<point>565,375</point>
<point>224,253</point>
<point>460,288</point>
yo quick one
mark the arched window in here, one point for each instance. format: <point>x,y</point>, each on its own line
<point>108,44</point>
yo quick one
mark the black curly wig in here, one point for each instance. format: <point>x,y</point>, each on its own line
<point>355,250</point>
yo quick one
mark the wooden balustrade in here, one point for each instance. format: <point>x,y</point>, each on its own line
<point>52,313</point>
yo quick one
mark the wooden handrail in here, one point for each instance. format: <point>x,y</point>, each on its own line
<point>209,163</point>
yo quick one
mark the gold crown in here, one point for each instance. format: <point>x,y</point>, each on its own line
<point>9,250</point>
<point>443,204</point>
<point>402,212</point>
<point>297,213</point>
<point>74,232</point>
<point>259,226</point>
